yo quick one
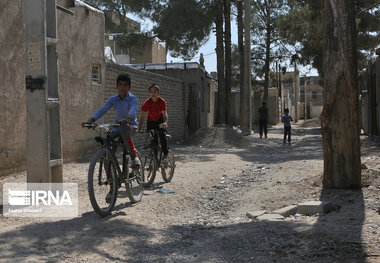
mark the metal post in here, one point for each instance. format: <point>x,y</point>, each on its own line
<point>305,100</point>
<point>296,91</point>
<point>44,154</point>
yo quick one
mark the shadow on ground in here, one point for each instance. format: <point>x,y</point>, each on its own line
<point>283,241</point>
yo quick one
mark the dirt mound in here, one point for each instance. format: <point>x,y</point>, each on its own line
<point>311,123</point>
<point>218,136</point>
<point>370,177</point>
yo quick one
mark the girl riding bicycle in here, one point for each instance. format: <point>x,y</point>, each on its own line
<point>157,117</point>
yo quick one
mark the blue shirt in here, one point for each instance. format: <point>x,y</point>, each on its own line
<point>287,117</point>
<point>123,108</point>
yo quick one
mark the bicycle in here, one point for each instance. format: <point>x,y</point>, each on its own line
<point>152,161</point>
<point>104,173</point>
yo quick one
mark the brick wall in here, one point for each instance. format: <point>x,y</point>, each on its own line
<point>174,91</point>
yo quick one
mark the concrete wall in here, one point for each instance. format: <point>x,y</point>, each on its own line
<point>273,113</point>
<point>80,45</point>
<point>201,97</point>
<point>152,52</point>
<point>376,91</point>
<point>369,87</point>
<point>174,91</point>
<point>12,87</point>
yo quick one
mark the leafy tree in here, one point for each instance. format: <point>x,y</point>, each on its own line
<point>302,28</point>
<point>121,8</point>
<point>183,25</point>
<point>266,42</point>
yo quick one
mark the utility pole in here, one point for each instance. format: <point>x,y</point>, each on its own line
<point>305,99</point>
<point>246,110</point>
<point>44,154</point>
<point>280,90</point>
<point>296,91</point>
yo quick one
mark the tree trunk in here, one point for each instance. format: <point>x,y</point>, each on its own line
<point>228,59</point>
<point>220,62</point>
<point>267,60</point>
<point>239,6</point>
<point>246,118</point>
<point>340,116</point>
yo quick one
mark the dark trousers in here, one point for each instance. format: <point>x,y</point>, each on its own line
<point>125,132</point>
<point>287,131</point>
<point>263,125</point>
<point>155,125</point>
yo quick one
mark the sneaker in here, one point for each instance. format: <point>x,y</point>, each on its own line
<point>136,163</point>
<point>266,136</point>
<point>284,142</point>
<point>131,175</point>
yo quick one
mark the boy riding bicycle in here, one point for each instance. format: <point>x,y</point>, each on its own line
<point>125,105</point>
<point>157,117</point>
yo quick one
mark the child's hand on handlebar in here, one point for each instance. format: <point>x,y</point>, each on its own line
<point>89,121</point>
<point>163,125</point>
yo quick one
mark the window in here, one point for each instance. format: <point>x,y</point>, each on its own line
<point>314,94</point>
<point>95,76</point>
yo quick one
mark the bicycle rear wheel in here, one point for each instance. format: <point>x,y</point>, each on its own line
<point>134,183</point>
<point>102,184</point>
<point>150,168</point>
<point>167,170</point>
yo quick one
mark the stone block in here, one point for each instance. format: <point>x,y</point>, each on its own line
<point>270,217</point>
<point>255,214</point>
<point>287,210</point>
<point>314,207</point>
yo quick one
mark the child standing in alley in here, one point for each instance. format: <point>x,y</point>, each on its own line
<point>286,119</point>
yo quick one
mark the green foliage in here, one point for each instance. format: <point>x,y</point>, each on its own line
<point>267,45</point>
<point>183,25</point>
<point>302,26</point>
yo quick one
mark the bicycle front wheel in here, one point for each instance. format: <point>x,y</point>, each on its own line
<point>167,170</point>
<point>102,184</point>
<point>134,183</point>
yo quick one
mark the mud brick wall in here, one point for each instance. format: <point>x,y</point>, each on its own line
<point>174,91</point>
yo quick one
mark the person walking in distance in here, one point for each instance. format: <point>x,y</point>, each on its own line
<point>286,119</point>
<point>263,120</point>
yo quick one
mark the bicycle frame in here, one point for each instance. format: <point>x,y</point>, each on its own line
<point>107,144</point>
<point>155,148</point>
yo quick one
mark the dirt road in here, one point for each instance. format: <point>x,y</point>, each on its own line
<point>219,178</point>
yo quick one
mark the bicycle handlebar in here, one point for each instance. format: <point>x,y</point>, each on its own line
<point>105,126</point>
